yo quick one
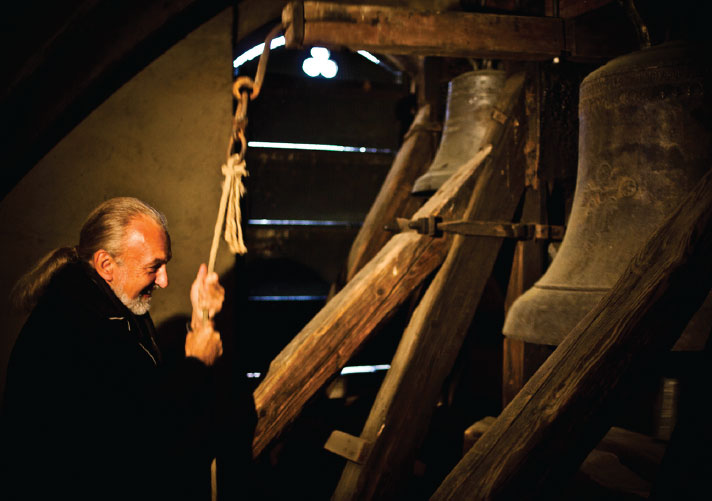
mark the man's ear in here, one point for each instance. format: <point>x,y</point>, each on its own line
<point>104,264</point>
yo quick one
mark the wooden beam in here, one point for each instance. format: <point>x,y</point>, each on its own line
<point>544,434</point>
<point>604,466</point>
<point>394,198</point>
<point>329,340</point>
<point>528,261</point>
<point>399,418</point>
<point>527,268</point>
<point>573,8</point>
<point>405,31</point>
<point>347,446</point>
<point>397,30</point>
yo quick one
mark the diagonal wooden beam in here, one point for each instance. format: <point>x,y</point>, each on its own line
<point>394,198</point>
<point>543,435</point>
<point>329,340</point>
<point>399,418</point>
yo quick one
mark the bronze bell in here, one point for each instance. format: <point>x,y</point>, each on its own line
<point>470,99</point>
<point>644,141</point>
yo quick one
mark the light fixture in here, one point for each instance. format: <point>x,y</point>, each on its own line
<point>320,64</point>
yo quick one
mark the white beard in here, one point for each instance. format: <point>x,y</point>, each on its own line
<point>137,305</point>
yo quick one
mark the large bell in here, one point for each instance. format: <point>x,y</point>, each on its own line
<point>644,141</point>
<point>470,99</point>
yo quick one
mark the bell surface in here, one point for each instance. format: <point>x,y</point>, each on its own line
<point>470,101</point>
<point>644,142</point>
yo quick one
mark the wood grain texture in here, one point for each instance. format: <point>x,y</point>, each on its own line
<point>406,31</point>
<point>527,268</point>
<point>544,434</point>
<point>400,416</point>
<point>329,340</point>
<point>394,198</point>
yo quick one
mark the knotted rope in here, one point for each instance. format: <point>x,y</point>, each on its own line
<point>233,188</point>
<point>235,167</point>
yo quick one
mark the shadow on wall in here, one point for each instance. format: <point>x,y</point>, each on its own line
<point>235,413</point>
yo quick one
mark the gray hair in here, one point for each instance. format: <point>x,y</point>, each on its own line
<point>105,229</point>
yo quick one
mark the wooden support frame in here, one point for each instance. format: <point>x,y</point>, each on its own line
<point>527,268</point>
<point>543,435</point>
<point>329,340</point>
<point>401,413</point>
<point>394,198</point>
<point>396,30</point>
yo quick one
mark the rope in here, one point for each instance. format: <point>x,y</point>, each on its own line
<point>235,168</point>
<point>232,190</point>
<point>233,232</point>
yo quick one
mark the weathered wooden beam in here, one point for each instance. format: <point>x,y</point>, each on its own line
<point>329,340</point>
<point>604,466</point>
<point>394,198</point>
<point>399,418</point>
<point>527,267</point>
<point>352,448</point>
<point>400,30</point>
<point>475,431</point>
<point>406,31</point>
<point>544,434</point>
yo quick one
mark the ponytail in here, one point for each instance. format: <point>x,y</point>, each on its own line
<point>31,285</point>
<point>104,229</point>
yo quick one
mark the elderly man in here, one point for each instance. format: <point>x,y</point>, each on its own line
<point>90,409</point>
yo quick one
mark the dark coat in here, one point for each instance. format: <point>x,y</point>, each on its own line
<point>91,411</point>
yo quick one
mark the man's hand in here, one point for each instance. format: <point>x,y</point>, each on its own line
<point>206,294</point>
<point>204,343</point>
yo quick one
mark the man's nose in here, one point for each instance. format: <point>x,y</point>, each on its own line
<point>162,277</point>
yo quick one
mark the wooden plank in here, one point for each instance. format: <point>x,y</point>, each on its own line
<point>528,261</point>
<point>527,268</point>
<point>354,449</point>
<point>544,434</point>
<point>405,31</point>
<point>339,329</point>
<point>623,462</point>
<point>397,30</point>
<point>400,416</point>
<point>475,431</point>
<point>394,198</point>
<point>325,344</point>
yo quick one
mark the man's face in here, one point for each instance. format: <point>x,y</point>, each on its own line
<point>141,267</point>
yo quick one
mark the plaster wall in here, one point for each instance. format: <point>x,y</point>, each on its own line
<point>161,137</point>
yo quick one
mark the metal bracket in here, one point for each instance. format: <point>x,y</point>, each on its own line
<point>435,227</point>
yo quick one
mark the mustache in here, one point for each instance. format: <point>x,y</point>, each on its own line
<point>149,289</point>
